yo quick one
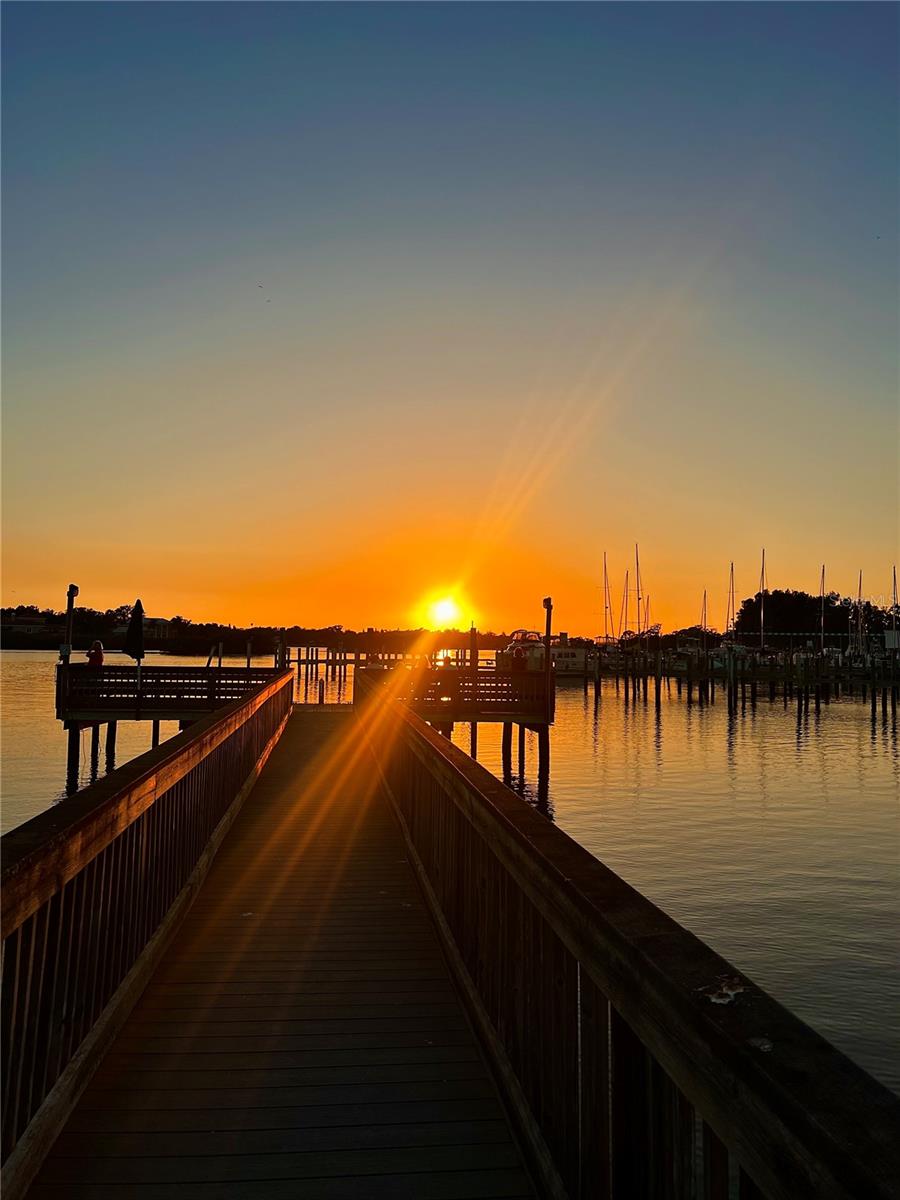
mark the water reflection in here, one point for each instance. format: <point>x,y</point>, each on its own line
<point>768,825</point>
<point>536,788</point>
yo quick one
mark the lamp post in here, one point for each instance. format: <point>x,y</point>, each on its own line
<point>65,651</point>
<point>548,661</point>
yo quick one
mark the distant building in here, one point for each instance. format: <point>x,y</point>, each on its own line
<point>29,624</point>
<point>32,625</point>
<point>156,629</point>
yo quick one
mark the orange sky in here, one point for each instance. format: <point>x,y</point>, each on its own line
<point>540,469</point>
<point>392,580</point>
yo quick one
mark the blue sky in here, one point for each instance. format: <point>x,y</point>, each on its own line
<point>674,225</point>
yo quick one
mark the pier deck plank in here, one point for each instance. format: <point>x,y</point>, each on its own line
<point>302,1036</point>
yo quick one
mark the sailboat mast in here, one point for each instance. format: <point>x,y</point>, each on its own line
<point>703,619</point>
<point>762,601</point>
<point>729,613</point>
<point>822,611</point>
<point>859,617</point>
<point>609,599</point>
<point>625,602</point>
<point>637,586</point>
<point>605,608</point>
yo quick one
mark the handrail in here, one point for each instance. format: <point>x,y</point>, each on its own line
<point>461,692</point>
<point>85,692</point>
<point>89,885</point>
<point>649,1065</point>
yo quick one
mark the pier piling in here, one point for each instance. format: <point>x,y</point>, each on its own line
<point>112,728</point>
<point>95,750</point>
<point>73,759</point>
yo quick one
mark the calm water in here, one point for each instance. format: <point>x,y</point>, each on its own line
<point>776,842</point>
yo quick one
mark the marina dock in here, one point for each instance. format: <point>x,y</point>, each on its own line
<point>314,952</point>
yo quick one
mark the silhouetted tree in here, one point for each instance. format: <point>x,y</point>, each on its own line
<point>797,612</point>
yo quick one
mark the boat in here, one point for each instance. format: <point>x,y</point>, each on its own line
<point>527,647</point>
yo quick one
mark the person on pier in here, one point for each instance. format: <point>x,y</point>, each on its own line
<point>95,655</point>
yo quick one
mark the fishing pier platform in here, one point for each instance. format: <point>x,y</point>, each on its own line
<point>89,697</point>
<point>302,951</point>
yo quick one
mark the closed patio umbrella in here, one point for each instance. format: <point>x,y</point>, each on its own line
<point>134,640</point>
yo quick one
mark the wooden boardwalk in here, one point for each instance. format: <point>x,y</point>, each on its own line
<point>302,1036</point>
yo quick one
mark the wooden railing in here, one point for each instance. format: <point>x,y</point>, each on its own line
<point>86,693</point>
<point>640,1063</point>
<point>92,887</point>
<point>460,694</point>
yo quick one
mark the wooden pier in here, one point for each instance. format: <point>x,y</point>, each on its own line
<point>90,697</point>
<point>301,952</point>
<point>449,694</point>
<point>87,694</point>
<point>302,1024</point>
<point>445,695</point>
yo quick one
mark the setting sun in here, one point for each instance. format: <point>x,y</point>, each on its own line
<point>446,606</point>
<point>444,612</point>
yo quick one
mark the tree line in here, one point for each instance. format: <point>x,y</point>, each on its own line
<point>198,637</point>
<point>786,612</point>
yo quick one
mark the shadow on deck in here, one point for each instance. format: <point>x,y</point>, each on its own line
<point>301,1035</point>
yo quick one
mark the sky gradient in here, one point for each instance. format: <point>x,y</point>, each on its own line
<point>538,281</point>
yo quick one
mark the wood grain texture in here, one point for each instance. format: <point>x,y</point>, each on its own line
<point>302,1030</point>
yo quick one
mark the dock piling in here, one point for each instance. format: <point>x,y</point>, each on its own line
<point>73,759</point>
<point>112,728</point>
<point>506,750</point>
<point>95,750</point>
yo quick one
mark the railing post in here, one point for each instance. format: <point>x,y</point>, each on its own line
<point>62,687</point>
<point>595,1153</point>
